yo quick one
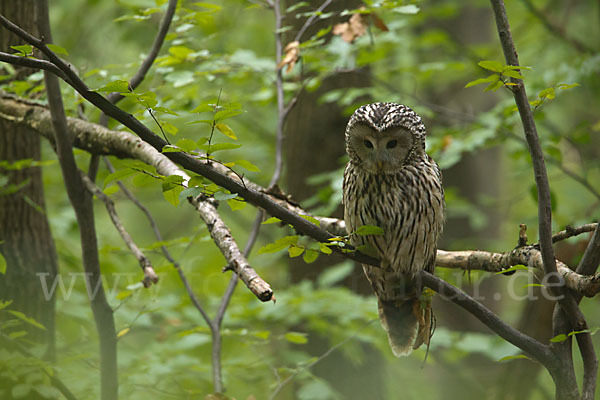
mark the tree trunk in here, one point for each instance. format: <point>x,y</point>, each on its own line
<point>25,238</point>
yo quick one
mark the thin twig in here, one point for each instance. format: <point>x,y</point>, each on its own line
<point>557,30</point>
<point>149,274</point>
<point>32,63</point>
<point>139,76</point>
<point>313,363</point>
<point>311,19</point>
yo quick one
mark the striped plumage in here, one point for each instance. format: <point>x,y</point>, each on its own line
<point>390,182</point>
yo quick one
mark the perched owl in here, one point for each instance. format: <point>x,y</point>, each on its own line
<point>390,182</point>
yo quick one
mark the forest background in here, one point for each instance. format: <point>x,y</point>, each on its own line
<point>320,339</point>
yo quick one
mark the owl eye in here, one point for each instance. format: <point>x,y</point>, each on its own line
<point>391,144</point>
<point>368,144</point>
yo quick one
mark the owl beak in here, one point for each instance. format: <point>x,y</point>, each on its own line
<point>379,165</point>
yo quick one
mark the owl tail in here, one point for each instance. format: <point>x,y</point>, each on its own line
<point>407,324</point>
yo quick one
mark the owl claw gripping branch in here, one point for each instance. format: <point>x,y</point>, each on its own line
<point>392,183</point>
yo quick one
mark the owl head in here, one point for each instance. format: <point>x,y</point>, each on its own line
<point>383,137</point>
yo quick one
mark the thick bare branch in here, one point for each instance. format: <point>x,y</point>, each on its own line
<point>226,243</point>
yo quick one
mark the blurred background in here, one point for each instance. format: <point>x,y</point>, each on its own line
<point>323,331</point>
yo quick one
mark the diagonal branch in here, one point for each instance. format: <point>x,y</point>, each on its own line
<point>531,346</point>
<point>226,243</point>
<point>32,63</point>
<point>149,60</point>
<point>149,274</point>
<point>557,30</point>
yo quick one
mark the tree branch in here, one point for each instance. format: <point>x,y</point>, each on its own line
<point>84,212</point>
<point>149,274</point>
<point>32,63</point>
<point>566,301</point>
<point>556,30</point>
<point>531,346</point>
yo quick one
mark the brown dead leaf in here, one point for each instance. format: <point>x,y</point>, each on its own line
<point>292,51</point>
<point>357,26</point>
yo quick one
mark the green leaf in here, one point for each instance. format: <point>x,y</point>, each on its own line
<point>192,191</point>
<point>533,285</point>
<point>310,219</point>
<point>196,181</point>
<point>515,357</point>
<point>169,148</point>
<point>559,338</point>
<point>324,248</point>
<point>57,49</point>
<point>27,319</point>
<point>119,86</point>
<point>165,110</point>
<point>296,337</point>
<point>24,49</point>
<point>491,65</point>
<point>407,9</point>
<point>548,93</point>
<point>4,304</point>
<point>295,251</point>
<point>272,220</point>
<point>296,6</point>
<point>513,268</point>
<point>219,146</point>
<point>224,196</point>
<point>226,130</point>
<point>118,175</point>
<point>279,244</point>
<point>236,204</point>
<point>203,108</point>
<point>369,230</point>
<point>172,195</point>
<point>123,295</point>
<point>491,78</point>
<point>2,264</point>
<point>567,85</point>
<point>201,121</point>
<point>310,256</point>
<point>247,165</point>
<point>123,332</point>
<point>227,113</point>
<point>513,74</point>
<point>494,86</point>
<point>187,145</point>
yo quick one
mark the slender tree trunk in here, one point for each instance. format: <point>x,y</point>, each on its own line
<point>25,238</point>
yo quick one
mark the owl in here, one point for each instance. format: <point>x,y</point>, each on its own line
<point>390,182</point>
